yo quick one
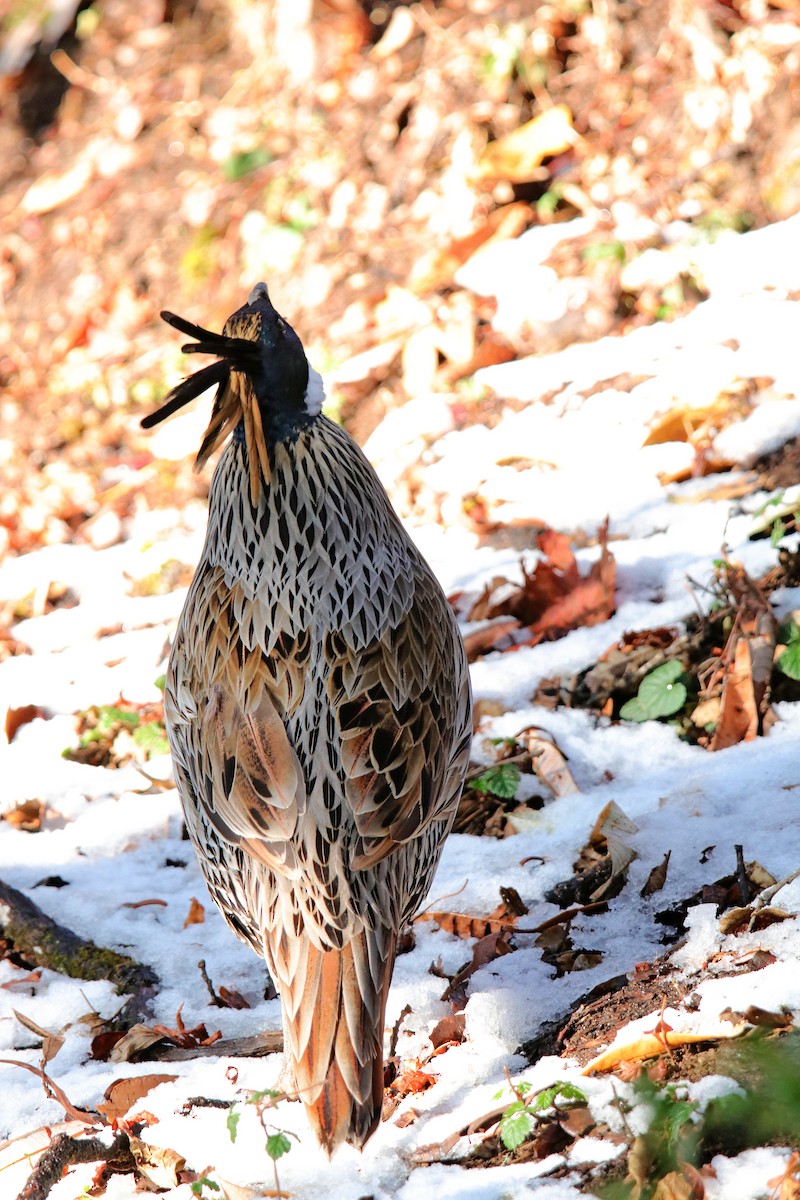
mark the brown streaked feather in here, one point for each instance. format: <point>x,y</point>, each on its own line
<point>257,792</point>
<point>396,752</point>
<point>336,1036</point>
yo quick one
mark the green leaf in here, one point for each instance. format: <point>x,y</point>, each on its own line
<point>523,1088</point>
<point>600,250</point>
<point>152,738</point>
<point>677,1115</point>
<point>278,1144</point>
<point>661,693</point>
<point>160,683</point>
<point>789,661</point>
<point>257,1097</point>
<point>788,632</point>
<point>634,710</point>
<point>516,1124</point>
<point>778,530</point>
<point>501,781</point>
<point>558,1091</point>
<point>204,1182</point>
<point>108,715</point>
<point>232,1121</point>
<point>245,161</point>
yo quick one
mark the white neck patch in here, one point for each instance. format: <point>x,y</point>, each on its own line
<point>315,393</point>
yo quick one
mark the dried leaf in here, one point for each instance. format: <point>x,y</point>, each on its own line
<point>196,915</point>
<point>51,1042</point>
<point>497,635</point>
<point>52,1089</point>
<point>463,926</point>
<point>158,1164</point>
<point>517,156</point>
<point>680,1185</point>
<point>609,836</point>
<point>122,1094</point>
<point>137,1040</point>
<point>231,998</point>
<point>651,1045</point>
<point>411,1082</point>
<point>449,1029</point>
<point>548,761</point>
<point>437,268</point>
<point>30,977</point>
<point>738,718</point>
<point>485,950</point>
<point>26,816</point>
<point>657,877</point>
<point>17,717</point>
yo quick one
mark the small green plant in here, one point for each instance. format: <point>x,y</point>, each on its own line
<point>598,251</point>
<point>278,1140</point>
<point>198,1187</point>
<point>244,162</point>
<point>672,298</point>
<point>501,780</point>
<point>520,1119</point>
<point>103,723</point>
<point>661,694</point>
<point>788,661</point>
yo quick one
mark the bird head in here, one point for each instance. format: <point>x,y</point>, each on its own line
<point>263,379</point>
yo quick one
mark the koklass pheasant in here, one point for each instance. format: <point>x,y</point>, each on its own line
<point>317,705</point>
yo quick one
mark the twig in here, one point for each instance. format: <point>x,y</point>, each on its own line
<point>65,1151</point>
<point>396,1030</point>
<point>741,875</point>
<point>56,1093</point>
<point>215,1000</point>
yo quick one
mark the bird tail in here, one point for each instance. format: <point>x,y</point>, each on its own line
<point>334,1010</point>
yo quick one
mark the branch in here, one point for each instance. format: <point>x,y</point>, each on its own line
<point>65,1151</point>
<point>44,942</point>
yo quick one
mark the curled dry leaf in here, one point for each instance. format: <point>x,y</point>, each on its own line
<point>449,1029</point>
<point>657,877</point>
<point>159,1165</point>
<point>26,816</point>
<point>553,598</point>
<point>518,156</point>
<point>548,761</point>
<point>651,1045</point>
<point>463,926</point>
<point>136,1041</point>
<point>196,914</point>
<point>17,717</point>
<point>51,1042</point>
<point>609,838</point>
<point>122,1094</point>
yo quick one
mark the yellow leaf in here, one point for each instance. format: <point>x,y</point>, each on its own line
<point>517,156</point>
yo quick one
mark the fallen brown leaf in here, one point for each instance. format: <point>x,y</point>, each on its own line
<point>650,1045</point>
<point>196,914</point>
<point>51,1042</point>
<point>517,156</point>
<point>657,877</point>
<point>449,1029</point>
<point>122,1094</point>
<point>17,717</point>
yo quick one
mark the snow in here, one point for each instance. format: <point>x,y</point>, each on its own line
<point>116,841</point>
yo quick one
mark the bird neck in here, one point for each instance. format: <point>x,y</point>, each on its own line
<point>321,546</point>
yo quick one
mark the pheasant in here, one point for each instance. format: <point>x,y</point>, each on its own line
<point>317,705</point>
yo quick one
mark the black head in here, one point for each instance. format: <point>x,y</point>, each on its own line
<point>260,359</point>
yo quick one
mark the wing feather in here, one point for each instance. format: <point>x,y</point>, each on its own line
<point>403,713</point>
